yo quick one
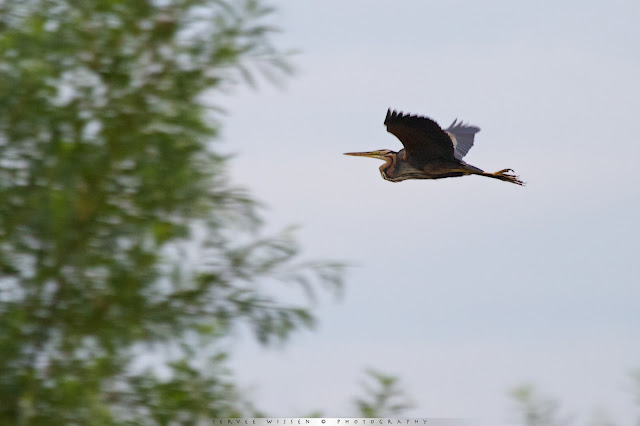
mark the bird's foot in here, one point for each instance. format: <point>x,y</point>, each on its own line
<point>504,171</point>
<point>508,175</point>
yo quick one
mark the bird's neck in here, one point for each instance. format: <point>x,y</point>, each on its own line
<point>388,169</point>
<point>397,169</point>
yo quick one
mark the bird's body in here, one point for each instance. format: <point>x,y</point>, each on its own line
<point>429,151</point>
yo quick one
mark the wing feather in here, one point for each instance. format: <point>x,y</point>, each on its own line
<point>462,136</point>
<point>423,139</point>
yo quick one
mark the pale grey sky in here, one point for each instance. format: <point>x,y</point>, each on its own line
<point>482,285</point>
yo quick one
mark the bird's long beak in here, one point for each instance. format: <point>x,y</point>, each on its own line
<point>372,154</point>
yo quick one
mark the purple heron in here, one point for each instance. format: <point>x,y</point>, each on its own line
<point>429,152</point>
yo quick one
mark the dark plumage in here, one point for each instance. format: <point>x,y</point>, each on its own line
<point>429,151</point>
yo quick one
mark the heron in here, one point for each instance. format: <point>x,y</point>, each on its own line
<point>429,151</point>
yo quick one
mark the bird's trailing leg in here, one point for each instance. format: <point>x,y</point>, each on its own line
<point>506,175</point>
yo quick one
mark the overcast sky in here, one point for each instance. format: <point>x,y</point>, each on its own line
<point>465,287</point>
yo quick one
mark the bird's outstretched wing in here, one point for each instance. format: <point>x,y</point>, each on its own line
<point>423,139</point>
<point>462,137</point>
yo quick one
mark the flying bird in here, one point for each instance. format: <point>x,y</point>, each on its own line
<point>429,152</point>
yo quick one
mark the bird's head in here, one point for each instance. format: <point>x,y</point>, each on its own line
<point>381,154</point>
<point>389,169</point>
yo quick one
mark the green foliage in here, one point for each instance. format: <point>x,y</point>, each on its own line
<point>383,397</point>
<point>535,409</point>
<point>188,394</point>
<point>600,418</point>
<point>120,234</point>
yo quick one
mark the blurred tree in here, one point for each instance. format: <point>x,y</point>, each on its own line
<point>535,409</point>
<point>125,253</point>
<point>600,418</point>
<point>383,397</point>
